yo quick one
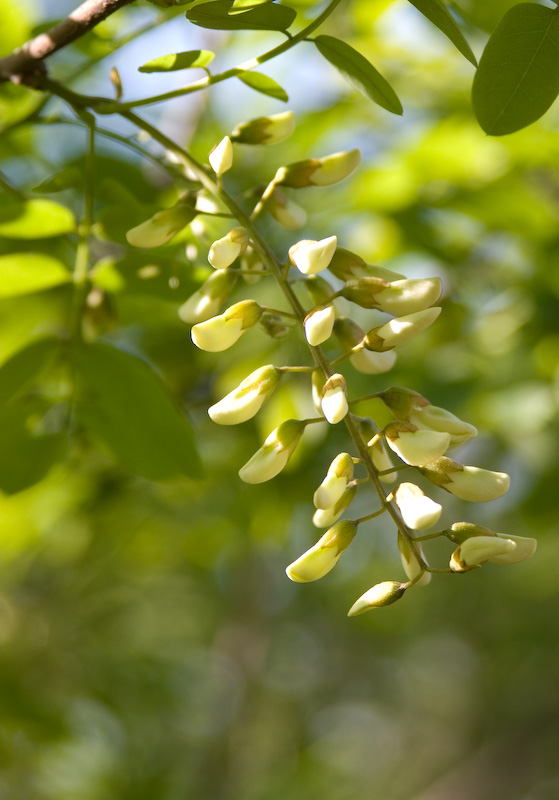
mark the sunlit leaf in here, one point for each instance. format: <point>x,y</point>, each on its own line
<point>359,72</point>
<point>242,6</point>
<point>22,273</point>
<point>26,453</point>
<point>35,219</point>
<point>266,17</point>
<point>518,75</point>
<point>125,404</point>
<point>175,61</point>
<point>263,84</point>
<point>438,14</point>
<point>26,367</point>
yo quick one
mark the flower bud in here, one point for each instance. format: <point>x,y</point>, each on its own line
<point>397,297</point>
<point>324,555</point>
<point>439,419</point>
<point>285,211</point>
<point>524,548</point>
<point>410,563</point>
<point>402,402</point>
<point>317,385</point>
<point>400,330</point>
<point>225,250</point>
<point>349,334</point>
<point>323,517</point>
<point>160,229</point>
<point>207,301</point>
<point>274,326</point>
<point>221,157</point>
<point>460,531</point>
<point>468,483</point>
<point>219,333</point>
<point>377,451</point>
<point>334,399</point>
<point>318,171</point>
<point>252,266</point>
<point>310,256</point>
<point>248,398</point>
<point>346,265</point>
<point>274,454</point>
<point>265,130</point>
<point>320,291</point>
<point>478,550</point>
<point>340,472</point>
<point>414,446</point>
<point>383,594</point>
<point>319,324</point>
<point>418,511</point>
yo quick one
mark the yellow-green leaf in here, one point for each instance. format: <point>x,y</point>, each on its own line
<point>35,219</point>
<point>266,17</point>
<point>23,273</point>
<point>263,84</point>
<point>175,61</point>
<point>437,13</point>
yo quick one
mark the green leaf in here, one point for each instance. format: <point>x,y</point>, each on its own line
<point>67,178</point>
<point>267,17</point>
<point>125,404</point>
<point>359,72</point>
<point>26,454</point>
<point>23,273</point>
<point>518,75</point>
<point>174,61</point>
<point>242,6</point>
<point>438,14</point>
<point>263,84</point>
<point>25,368</point>
<point>35,219</point>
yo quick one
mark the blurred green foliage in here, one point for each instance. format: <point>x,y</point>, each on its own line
<point>150,644</point>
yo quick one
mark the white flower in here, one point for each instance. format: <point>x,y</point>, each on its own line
<point>160,229</point>
<point>340,472</point>
<point>319,324</point>
<point>370,363</point>
<point>439,419</point>
<point>221,332</point>
<point>319,171</point>
<point>334,403</point>
<point>478,485</point>
<point>409,296</point>
<point>310,256</point>
<point>416,447</point>
<point>248,398</point>
<point>221,157</point>
<point>206,302</point>
<point>324,555</point>
<point>224,251</point>
<point>265,130</point>
<point>323,517</point>
<point>410,563</point>
<point>418,511</point>
<point>400,330</point>
<point>274,454</point>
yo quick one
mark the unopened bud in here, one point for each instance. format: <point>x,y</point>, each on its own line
<point>347,265</point>
<point>285,211</point>
<point>478,550</point>
<point>340,472</point>
<point>225,250</point>
<point>439,419</point>
<point>265,130</point>
<point>402,402</point>
<point>318,171</point>
<point>415,446</point>
<point>274,326</point>
<point>418,511</point>
<point>221,157</point>
<point>349,335</point>
<point>474,484</point>
<point>400,330</point>
<point>274,454</point>
<point>397,297</point>
<point>460,531</point>
<point>310,256</point>
<point>317,385</point>
<point>319,289</point>
<point>383,594</point>
<point>248,398</point>
<point>323,517</point>
<point>324,555</point>
<point>219,333</point>
<point>334,403</point>
<point>160,229</point>
<point>207,301</point>
<point>411,565</point>
<point>318,325</point>
<point>368,431</point>
<point>252,266</point>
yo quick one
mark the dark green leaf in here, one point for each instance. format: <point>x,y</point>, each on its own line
<point>438,14</point>
<point>26,454</point>
<point>124,403</point>
<point>23,273</point>
<point>518,75</point>
<point>26,367</point>
<point>35,219</point>
<point>359,72</point>
<point>174,61</point>
<point>68,178</point>
<point>264,84</point>
<point>267,17</point>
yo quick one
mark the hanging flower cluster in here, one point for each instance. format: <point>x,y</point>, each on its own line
<point>420,435</point>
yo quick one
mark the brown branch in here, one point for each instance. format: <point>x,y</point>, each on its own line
<point>25,64</point>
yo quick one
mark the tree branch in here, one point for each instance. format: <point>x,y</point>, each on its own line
<point>26,63</point>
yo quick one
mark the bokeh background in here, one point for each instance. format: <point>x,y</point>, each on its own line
<point>151,647</point>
